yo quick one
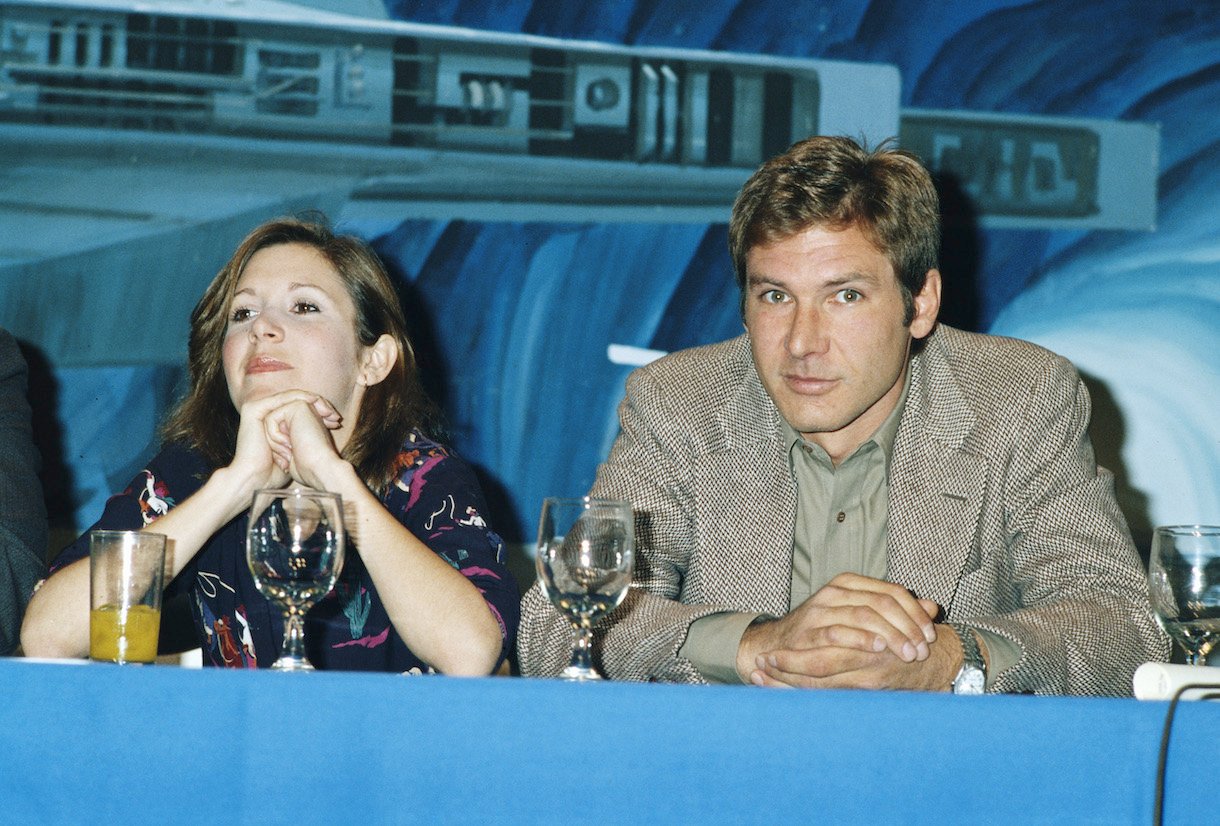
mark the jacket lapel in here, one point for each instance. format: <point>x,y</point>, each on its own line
<point>756,512</point>
<point>936,486</point>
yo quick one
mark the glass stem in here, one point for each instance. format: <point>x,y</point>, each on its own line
<point>294,635</point>
<point>581,657</point>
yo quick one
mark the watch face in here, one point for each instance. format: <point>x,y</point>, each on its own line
<point>970,681</point>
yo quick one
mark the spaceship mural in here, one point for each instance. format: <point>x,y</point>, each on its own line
<point>550,183</point>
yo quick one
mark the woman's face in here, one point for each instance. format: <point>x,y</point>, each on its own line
<point>292,326</point>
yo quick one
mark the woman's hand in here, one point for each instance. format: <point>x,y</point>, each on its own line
<point>258,461</point>
<point>299,434</point>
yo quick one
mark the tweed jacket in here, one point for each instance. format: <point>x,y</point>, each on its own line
<point>997,512</point>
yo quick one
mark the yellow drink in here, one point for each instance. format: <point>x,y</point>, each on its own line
<point>124,636</point>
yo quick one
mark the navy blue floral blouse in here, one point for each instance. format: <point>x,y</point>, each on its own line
<point>435,496</point>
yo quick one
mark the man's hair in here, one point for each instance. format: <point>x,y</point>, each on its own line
<point>205,418</point>
<point>835,183</point>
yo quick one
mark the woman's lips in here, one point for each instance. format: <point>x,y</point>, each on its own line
<point>266,364</point>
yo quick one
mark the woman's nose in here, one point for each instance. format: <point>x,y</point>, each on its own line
<point>265,326</point>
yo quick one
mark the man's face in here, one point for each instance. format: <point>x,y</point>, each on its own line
<point>824,312</point>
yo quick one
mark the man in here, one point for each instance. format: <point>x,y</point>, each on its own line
<point>23,518</point>
<point>850,495</point>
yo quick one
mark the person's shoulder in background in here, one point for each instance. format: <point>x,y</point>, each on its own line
<point>23,517</point>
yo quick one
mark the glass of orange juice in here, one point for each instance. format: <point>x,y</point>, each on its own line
<point>126,576</point>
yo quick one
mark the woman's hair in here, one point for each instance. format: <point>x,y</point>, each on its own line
<point>834,182</point>
<point>206,419</point>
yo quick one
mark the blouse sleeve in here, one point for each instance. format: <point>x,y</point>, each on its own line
<point>436,496</point>
<point>173,475</point>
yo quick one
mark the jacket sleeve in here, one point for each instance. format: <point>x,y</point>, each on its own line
<point>1081,615</point>
<point>23,519</point>
<point>641,638</point>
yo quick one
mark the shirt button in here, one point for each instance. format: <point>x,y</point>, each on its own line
<point>840,517</point>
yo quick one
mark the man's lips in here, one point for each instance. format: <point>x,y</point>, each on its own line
<point>266,364</point>
<point>809,385</point>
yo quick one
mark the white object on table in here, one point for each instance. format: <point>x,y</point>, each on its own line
<point>1160,681</point>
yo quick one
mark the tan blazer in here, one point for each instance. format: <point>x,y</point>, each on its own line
<point>997,511</point>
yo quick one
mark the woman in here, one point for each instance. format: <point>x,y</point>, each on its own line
<point>302,373</point>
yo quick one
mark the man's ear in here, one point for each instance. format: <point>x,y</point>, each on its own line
<point>927,306</point>
<point>379,360</point>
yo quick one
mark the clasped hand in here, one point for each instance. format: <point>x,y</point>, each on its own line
<point>855,632</point>
<point>286,437</point>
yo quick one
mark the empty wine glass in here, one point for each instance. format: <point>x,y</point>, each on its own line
<point>585,556</point>
<point>294,547</point>
<point>1184,584</point>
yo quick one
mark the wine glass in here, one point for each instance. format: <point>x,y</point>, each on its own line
<point>1184,584</point>
<point>294,547</point>
<point>585,556</point>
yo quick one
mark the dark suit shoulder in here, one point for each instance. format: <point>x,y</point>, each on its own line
<point>12,369</point>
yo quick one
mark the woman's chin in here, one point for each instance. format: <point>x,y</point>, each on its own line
<point>259,386</point>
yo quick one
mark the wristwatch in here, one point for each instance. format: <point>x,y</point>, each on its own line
<point>972,678</point>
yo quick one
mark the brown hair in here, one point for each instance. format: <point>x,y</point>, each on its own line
<point>206,419</point>
<point>835,182</point>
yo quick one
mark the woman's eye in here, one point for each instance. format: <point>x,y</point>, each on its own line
<point>303,307</point>
<point>240,314</point>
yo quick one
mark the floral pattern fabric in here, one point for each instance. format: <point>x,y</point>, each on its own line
<point>434,495</point>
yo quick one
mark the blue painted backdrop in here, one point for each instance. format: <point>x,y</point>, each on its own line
<point>514,319</point>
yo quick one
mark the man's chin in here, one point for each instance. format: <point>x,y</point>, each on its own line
<point>809,416</point>
<point>812,425</point>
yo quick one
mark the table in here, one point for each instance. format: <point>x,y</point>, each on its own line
<point>103,743</point>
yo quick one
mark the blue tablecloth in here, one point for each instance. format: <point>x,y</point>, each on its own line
<point>101,743</point>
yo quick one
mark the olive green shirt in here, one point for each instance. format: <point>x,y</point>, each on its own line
<point>842,518</point>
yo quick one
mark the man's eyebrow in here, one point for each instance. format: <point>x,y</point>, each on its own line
<point>754,280</point>
<point>853,277</point>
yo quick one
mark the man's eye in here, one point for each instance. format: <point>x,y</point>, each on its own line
<point>774,296</point>
<point>849,296</point>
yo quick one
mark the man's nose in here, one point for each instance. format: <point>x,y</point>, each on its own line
<point>807,332</point>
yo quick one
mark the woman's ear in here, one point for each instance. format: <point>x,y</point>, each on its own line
<point>379,360</point>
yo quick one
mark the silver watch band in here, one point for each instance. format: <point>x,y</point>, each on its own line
<point>972,677</point>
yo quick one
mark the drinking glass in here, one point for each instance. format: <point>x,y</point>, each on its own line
<point>1184,584</point>
<point>126,575</point>
<point>294,547</point>
<point>586,548</point>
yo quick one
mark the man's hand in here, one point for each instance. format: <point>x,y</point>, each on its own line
<point>834,667</point>
<point>851,613</point>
